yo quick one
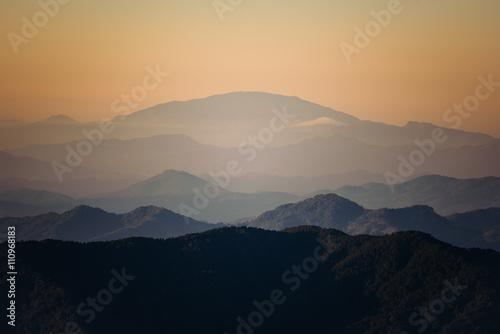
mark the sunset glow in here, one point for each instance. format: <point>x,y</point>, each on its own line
<point>426,59</point>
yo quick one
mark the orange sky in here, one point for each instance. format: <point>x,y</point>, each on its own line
<point>426,59</point>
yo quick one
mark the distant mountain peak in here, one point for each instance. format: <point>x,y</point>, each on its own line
<point>148,210</point>
<point>322,210</point>
<point>420,125</point>
<point>171,172</point>
<point>84,210</point>
<point>170,182</point>
<point>57,119</point>
<point>321,121</point>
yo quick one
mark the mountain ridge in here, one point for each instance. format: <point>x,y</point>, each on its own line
<point>85,223</point>
<point>333,211</point>
<point>206,282</point>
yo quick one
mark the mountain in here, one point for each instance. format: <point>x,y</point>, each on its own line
<point>20,172</point>
<point>12,123</point>
<point>226,120</point>
<point>252,182</point>
<point>138,158</point>
<point>84,223</point>
<point>389,135</point>
<point>60,119</point>
<point>336,159</point>
<point>13,166</point>
<point>419,218</point>
<point>312,158</point>
<point>271,137</point>
<point>244,280</point>
<point>35,197</point>
<point>29,202</point>
<point>221,120</point>
<point>478,219</point>
<point>187,194</point>
<point>333,211</point>
<point>328,211</point>
<point>15,209</point>
<point>486,220</point>
<point>72,187</point>
<point>175,190</point>
<point>51,131</point>
<point>446,195</point>
<point>170,182</point>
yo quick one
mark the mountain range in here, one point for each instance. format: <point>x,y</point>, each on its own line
<point>226,120</point>
<point>480,228</point>
<point>333,211</point>
<point>84,223</point>
<point>446,195</point>
<point>309,142</point>
<point>245,280</point>
<point>171,188</point>
<point>249,212</point>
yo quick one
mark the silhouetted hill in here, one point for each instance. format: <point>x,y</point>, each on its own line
<point>477,219</point>
<point>84,223</point>
<point>486,220</point>
<point>446,195</point>
<point>214,281</point>
<point>333,211</point>
<point>329,211</point>
<point>418,218</point>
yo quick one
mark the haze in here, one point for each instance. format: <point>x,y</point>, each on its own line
<point>427,59</point>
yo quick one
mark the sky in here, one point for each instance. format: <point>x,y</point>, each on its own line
<point>421,61</point>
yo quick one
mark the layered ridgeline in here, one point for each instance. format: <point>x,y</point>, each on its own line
<point>488,220</point>
<point>178,191</point>
<point>446,195</point>
<point>244,280</point>
<point>226,120</point>
<point>172,188</point>
<point>191,196</point>
<point>333,211</point>
<point>279,139</point>
<point>85,223</point>
<point>471,229</point>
